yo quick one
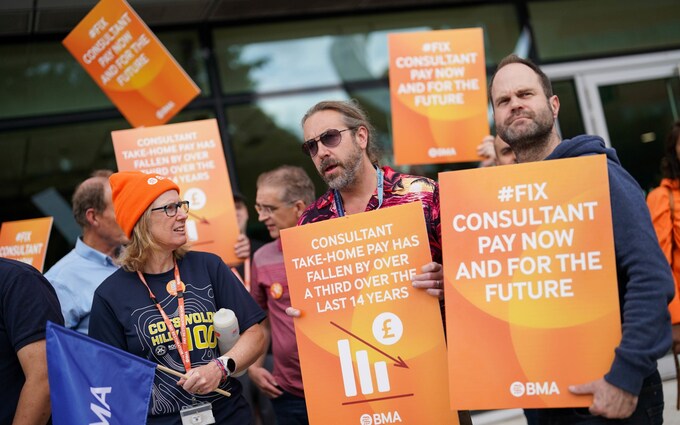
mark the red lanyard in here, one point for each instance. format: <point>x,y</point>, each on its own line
<point>181,345</point>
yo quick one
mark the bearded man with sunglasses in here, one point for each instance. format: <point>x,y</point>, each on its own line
<point>342,144</point>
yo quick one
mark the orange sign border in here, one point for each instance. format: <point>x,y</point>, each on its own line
<point>509,354</point>
<point>40,227</point>
<point>218,210</point>
<point>157,89</point>
<point>420,388</point>
<point>437,134</point>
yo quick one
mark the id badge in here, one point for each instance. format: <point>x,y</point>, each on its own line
<point>199,413</point>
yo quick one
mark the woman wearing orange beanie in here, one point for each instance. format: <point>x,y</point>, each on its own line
<point>143,310</point>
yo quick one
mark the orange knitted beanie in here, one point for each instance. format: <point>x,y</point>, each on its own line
<point>133,192</point>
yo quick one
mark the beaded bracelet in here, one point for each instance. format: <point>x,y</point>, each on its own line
<point>225,375</point>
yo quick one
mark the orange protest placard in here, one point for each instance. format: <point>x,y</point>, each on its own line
<point>26,240</point>
<point>191,155</point>
<point>530,282</point>
<point>130,64</point>
<point>371,346</point>
<point>438,95</point>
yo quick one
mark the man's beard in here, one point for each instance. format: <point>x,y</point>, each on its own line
<point>531,135</point>
<point>348,169</point>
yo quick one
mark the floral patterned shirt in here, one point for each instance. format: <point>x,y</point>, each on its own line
<point>398,189</point>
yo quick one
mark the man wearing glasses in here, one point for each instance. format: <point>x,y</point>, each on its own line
<point>282,196</point>
<point>342,144</point>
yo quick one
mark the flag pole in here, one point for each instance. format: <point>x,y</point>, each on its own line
<point>181,375</point>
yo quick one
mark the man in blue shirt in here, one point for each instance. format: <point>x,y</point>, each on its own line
<point>76,276</point>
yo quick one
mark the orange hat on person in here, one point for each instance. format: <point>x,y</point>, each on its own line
<point>133,192</point>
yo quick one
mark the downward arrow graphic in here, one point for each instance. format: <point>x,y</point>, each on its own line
<point>203,220</point>
<point>398,362</point>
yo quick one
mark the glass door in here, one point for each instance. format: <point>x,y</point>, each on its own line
<point>638,116</point>
<point>631,103</point>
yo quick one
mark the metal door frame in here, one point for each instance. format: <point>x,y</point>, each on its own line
<point>589,75</point>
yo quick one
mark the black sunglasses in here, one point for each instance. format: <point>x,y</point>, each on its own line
<point>330,138</point>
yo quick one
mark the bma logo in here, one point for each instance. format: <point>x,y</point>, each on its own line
<point>519,389</point>
<point>436,152</point>
<point>380,418</point>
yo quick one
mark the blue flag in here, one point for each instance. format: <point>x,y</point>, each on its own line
<point>94,383</point>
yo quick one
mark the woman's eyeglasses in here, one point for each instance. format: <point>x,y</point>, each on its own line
<point>330,138</point>
<point>171,209</point>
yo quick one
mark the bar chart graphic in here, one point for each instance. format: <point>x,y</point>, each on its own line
<point>363,370</point>
<point>359,380</point>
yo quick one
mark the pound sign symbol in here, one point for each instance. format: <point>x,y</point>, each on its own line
<point>196,198</point>
<point>387,329</point>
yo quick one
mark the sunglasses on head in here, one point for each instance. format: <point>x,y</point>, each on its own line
<point>330,139</point>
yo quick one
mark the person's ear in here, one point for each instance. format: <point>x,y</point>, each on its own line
<point>300,207</point>
<point>555,105</point>
<point>91,216</point>
<point>362,136</point>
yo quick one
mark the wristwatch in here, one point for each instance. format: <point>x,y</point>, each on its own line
<point>228,363</point>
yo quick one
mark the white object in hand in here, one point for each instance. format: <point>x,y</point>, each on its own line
<point>226,328</point>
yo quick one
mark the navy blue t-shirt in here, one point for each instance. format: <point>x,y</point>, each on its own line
<point>124,317</point>
<point>27,302</point>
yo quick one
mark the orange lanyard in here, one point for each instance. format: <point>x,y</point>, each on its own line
<point>246,272</point>
<point>181,345</point>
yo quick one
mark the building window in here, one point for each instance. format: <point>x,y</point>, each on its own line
<point>331,52</point>
<point>577,29</point>
<point>570,117</point>
<point>43,78</point>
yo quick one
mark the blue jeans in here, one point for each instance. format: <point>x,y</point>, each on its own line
<point>290,409</point>
<point>649,410</point>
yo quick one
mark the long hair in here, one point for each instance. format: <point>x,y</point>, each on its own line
<point>353,116</point>
<point>142,244</point>
<point>670,165</point>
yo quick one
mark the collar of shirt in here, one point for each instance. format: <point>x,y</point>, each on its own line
<point>89,253</point>
<point>390,180</point>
